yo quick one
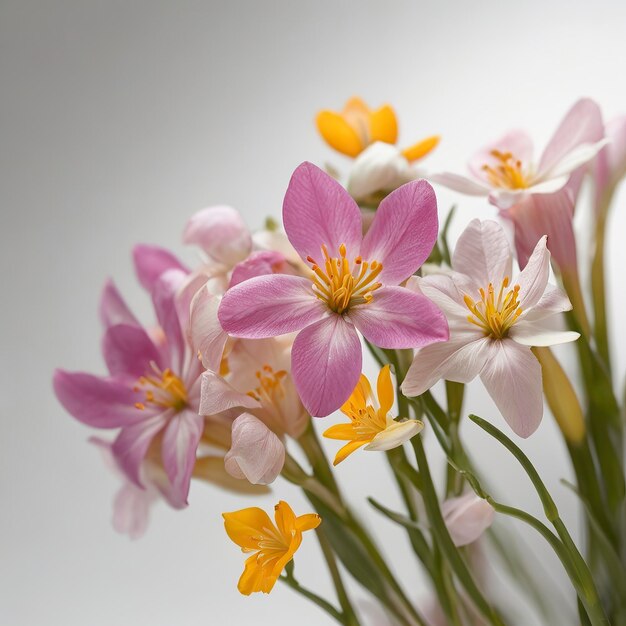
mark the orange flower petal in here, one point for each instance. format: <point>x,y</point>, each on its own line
<point>339,134</point>
<point>383,125</point>
<point>421,148</point>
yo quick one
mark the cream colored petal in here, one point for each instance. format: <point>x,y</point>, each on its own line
<point>395,435</point>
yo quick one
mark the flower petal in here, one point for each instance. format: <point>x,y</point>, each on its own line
<point>395,435</point>
<point>460,359</point>
<point>385,389</point>
<point>178,450</point>
<point>128,351</point>
<point>403,232</point>
<point>243,527</point>
<point>512,376</point>
<point>131,510</point>
<point>467,517</point>
<point>326,364</point>
<point>97,402</point>
<point>113,309</point>
<point>338,134</point>
<point>318,211</point>
<point>517,142</point>
<point>533,279</point>
<point>221,232</point>
<point>206,335</point>
<point>399,318</point>
<point>535,334</point>
<point>267,306</point>
<point>483,253</point>
<point>383,125</point>
<point>260,263</point>
<point>582,124</point>
<point>459,183</point>
<point>345,451</point>
<point>217,395</point>
<point>256,454</point>
<point>151,262</point>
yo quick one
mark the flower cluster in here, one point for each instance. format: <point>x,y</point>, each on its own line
<point>268,330</point>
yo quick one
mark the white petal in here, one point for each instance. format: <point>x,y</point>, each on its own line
<point>206,334</point>
<point>533,279</point>
<point>512,376</point>
<point>575,158</point>
<point>218,396</point>
<point>460,183</point>
<point>535,334</point>
<point>395,435</point>
<point>467,517</point>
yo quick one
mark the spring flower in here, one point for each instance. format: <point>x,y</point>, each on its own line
<point>273,545</point>
<point>357,127</point>
<point>353,285</point>
<point>466,518</point>
<point>370,425</point>
<point>152,391</point>
<point>506,172</point>
<point>493,322</point>
<point>610,164</point>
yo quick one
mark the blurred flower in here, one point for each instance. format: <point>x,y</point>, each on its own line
<point>467,517</point>
<point>610,164</point>
<point>370,425</point>
<point>353,286</point>
<point>504,320</point>
<point>153,388</point>
<point>505,171</point>
<point>273,545</point>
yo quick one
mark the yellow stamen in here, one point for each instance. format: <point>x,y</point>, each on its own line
<point>163,389</point>
<point>508,173</point>
<point>340,285</point>
<point>495,316</point>
<point>270,544</point>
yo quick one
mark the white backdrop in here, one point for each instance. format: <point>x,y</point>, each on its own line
<point>120,119</point>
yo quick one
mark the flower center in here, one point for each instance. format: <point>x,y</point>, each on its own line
<point>270,390</point>
<point>495,315</point>
<point>508,173</point>
<point>342,286</point>
<point>163,389</point>
<point>366,420</point>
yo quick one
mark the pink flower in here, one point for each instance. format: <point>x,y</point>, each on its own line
<point>610,164</point>
<point>493,322</point>
<point>467,518</point>
<point>152,391</point>
<point>506,172</point>
<point>353,285</point>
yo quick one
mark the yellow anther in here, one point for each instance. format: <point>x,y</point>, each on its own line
<point>508,173</point>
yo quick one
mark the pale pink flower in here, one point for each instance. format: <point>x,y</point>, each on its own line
<point>152,391</point>
<point>493,322</point>
<point>610,164</point>
<point>353,285</point>
<point>506,172</point>
<point>467,517</point>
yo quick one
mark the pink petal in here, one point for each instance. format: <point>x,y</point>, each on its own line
<point>611,162</point>
<point>132,443</point>
<point>131,510</point>
<point>483,253</point>
<point>217,395</point>
<point>533,279</point>
<point>512,376</point>
<point>553,301</point>
<point>256,454</point>
<point>267,306</point>
<point>207,337</point>
<point>517,142</point>
<point>326,364</point>
<point>443,291</point>
<point>582,124</point>
<point>151,262</point>
<point>460,359</point>
<point>318,211</point>
<point>549,215</point>
<point>113,309</point>
<point>467,518</point>
<point>400,318</point>
<point>178,450</point>
<point>260,263</point>
<point>221,233</point>
<point>462,184</point>
<point>97,402</point>
<point>403,232</point>
<point>128,351</point>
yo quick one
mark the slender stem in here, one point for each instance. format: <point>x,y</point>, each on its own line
<point>323,604</point>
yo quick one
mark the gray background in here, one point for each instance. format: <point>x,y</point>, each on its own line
<point>118,120</point>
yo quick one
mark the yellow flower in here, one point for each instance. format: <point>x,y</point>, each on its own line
<point>372,426</point>
<point>273,544</point>
<point>357,126</point>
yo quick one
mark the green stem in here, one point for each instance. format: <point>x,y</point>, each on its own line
<point>323,604</point>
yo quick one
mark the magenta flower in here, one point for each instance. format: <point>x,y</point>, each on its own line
<point>152,391</point>
<point>353,285</point>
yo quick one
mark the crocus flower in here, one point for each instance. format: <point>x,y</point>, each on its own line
<point>467,517</point>
<point>356,127</point>
<point>493,322</point>
<point>505,171</point>
<point>152,391</point>
<point>273,545</point>
<point>371,424</point>
<point>353,285</point>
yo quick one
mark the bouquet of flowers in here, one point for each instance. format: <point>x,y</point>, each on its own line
<point>267,336</point>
